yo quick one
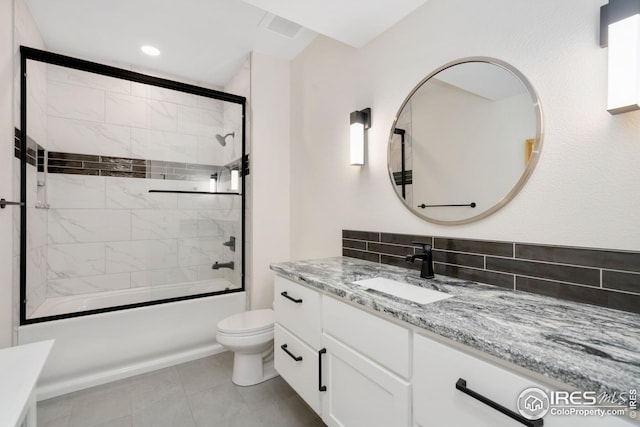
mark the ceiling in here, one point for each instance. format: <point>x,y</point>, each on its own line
<point>207,40</point>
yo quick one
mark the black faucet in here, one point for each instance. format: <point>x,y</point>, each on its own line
<point>231,243</point>
<point>218,265</point>
<point>427,260</point>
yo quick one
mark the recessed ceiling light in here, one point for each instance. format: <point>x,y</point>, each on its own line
<point>150,50</point>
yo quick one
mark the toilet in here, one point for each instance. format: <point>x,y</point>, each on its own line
<point>249,335</point>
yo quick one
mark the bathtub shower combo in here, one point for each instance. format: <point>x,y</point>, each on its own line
<point>132,234</point>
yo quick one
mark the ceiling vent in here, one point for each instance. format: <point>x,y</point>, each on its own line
<point>281,26</point>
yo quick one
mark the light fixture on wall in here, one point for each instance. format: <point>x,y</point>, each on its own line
<point>620,32</point>
<point>360,121</point>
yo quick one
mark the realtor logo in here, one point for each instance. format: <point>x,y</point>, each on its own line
<point>533,403</point>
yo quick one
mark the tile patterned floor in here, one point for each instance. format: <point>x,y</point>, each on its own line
<point>195,394</point>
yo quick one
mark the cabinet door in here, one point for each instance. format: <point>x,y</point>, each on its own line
<point>360,392</point>
<point>297,363</point>
<point>438,403</point>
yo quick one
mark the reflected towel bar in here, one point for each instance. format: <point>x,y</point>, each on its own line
<point>471,205</point>
<point>192,192</point>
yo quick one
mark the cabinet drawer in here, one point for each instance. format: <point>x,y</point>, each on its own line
<point>298,310</point>
<point>437,368</point>
<point>436,401</point>
<point>380,340</point>
<point>301,374</point>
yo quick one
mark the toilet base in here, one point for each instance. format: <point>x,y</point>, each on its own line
<point>251,369</point>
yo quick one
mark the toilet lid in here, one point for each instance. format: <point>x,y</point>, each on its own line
<point>248,322</point>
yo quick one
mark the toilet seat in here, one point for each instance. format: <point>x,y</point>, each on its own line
<point>251,322</point>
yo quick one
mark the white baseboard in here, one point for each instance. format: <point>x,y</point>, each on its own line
<point>59,388</point>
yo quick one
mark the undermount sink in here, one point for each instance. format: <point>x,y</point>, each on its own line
<point>403,290</point>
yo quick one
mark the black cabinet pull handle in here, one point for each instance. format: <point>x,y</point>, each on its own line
<point>320,353</point>
<point>297,301</point>
<point>294,357</point>
<point>461,385</point>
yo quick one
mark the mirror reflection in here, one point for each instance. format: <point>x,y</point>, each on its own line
<point>465,141</point>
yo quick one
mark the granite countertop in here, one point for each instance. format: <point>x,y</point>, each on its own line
<point>588,347</point>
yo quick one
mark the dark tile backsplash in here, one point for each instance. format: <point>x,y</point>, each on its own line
<point>601,277</point>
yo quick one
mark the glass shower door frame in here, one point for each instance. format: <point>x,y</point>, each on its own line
<point>27,53</point>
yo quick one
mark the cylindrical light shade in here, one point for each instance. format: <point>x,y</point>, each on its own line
<point>357,144</point>
<point>624,65</point>
<point>360,120</point>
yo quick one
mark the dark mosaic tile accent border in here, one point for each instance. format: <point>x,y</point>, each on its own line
<point>83,164</point>
<point>95,165</point>
<point>594,276</point>
<point>33,148</point>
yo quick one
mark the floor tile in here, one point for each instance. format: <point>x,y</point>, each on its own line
<point>54,412</point>
<point>152,387</point>
<point>211,406</point>
<point>203,374</point>
<point>194,394</point>
<point>119,422</point>
<point>100,404</point>
<point>170,411</point>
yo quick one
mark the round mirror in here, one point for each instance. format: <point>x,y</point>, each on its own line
<point>465,141</point>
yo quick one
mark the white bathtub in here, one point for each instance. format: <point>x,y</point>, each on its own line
<point>85,302</point>
<point>95,349</point>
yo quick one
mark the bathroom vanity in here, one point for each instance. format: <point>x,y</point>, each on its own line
<point>362,357</point>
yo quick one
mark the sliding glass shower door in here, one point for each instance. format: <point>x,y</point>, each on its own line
<point>134,189</point>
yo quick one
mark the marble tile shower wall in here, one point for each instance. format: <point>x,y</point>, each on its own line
<point>93,114</point>
<point>103,233</point>
<point>111,233</point>
<point>601,277</point>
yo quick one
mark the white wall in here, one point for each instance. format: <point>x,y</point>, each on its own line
<point>584,189</point>
<point>269,173</point>
<point>478,162</point>
<point>6,170</point>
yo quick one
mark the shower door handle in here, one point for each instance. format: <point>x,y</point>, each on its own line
<point>4,203</point>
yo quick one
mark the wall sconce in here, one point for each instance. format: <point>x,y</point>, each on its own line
<point>360,120</point>
<point>620,32</point>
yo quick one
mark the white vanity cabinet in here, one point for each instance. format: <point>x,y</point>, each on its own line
<point>355,368</point>
<point>365,368</point>
<point>350,366</point>
<point>438,403</point>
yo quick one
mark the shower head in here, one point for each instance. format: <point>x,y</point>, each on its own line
<point>223,139</point>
